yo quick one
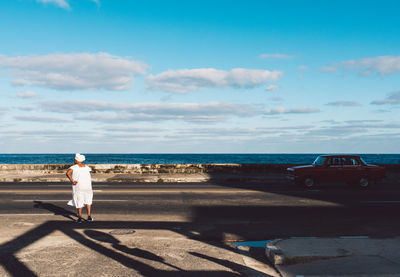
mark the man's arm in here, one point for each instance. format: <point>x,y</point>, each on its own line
<point>69,175</point>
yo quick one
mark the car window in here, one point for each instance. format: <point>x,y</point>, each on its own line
<point>319,161</point>
<point>362,160</point>
<point>351,161</point>
<point>334,161</point>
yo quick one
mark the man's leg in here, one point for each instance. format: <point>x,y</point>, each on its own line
<point>79,212</point>
<point>89,210</point>
<point>88,201</point>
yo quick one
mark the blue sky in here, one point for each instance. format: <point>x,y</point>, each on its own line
<point>199,76</point>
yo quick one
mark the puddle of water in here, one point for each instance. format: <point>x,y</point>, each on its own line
<point>260,243</point>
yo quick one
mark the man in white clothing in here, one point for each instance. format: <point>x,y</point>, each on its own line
<point>82,193</point>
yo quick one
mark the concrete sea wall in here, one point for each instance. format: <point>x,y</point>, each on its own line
<point>159,172</point>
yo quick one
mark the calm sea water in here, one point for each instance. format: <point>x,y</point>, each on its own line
<point>183,158</point>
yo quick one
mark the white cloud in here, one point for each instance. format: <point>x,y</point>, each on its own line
<point>159,108</point>
<point>25,108</point>
<point>383,65</point>
<point>337,131</point>
<point>344,103</point>
<point>393,99</point>
<point>382,111</point>
<point>213,133</point>
<point>61,3</point>
<point>187,80</point>
<point>372,124</point>
<point>281,110</point>
<point>272,88</point>
<point>124,112</point>
<point>129,117</point>
<point>276,56</point>
<point>44,135</point>
<point>328,69</point>
<point>385,101</point>
<point>2,110</point>
<point>276,98</point>
<point>96,1</point>
<point>116,129</point>
<point>362,121</point>
<point>354,127</point>
<point>46,119</point>
<point>25,94</point>
<point>302,67</point>
<point>74,71</point>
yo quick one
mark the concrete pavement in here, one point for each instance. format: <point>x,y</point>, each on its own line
<point>343,256</point>
<point>51,245</point>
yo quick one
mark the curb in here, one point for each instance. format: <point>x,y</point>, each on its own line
<point>277,257</point>
<point>274,254</point>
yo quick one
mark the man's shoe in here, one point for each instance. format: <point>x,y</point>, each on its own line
<point>79,220</point>
<point>89,218</point>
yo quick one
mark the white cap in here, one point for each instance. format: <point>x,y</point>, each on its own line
<point>80,158</point>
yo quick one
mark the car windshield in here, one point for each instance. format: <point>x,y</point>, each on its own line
<point>319,161</point>
<point>364,162</point>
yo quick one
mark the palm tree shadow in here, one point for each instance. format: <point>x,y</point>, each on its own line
<point>54,209</point>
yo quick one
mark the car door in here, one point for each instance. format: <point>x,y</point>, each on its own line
<point>352,169</point>
<point>333,170</point>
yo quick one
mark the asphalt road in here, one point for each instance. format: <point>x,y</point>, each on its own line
<point>220,211</point>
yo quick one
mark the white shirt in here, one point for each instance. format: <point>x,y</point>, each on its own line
<point>83,178</point>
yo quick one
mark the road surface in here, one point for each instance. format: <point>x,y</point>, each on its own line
<point>221,212</point>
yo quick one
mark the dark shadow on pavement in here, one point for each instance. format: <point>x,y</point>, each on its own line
<point>228,264</point>
<point>15,267</point>
<point>104,237</point>
<point>54,209</point>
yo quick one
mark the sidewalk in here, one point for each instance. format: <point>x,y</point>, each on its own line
<point>116,245</point>
<point>343,256</point>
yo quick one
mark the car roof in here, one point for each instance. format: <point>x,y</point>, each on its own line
<point>338,155</point>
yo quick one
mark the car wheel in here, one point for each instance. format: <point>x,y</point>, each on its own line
<point>309,182</point>
<point>364,182</point>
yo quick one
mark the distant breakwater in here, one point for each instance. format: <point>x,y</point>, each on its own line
<point>160,172</point>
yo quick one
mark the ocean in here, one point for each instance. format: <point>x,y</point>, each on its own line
<point>184,158</point>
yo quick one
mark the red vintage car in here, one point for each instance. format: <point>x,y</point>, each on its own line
<point>350,169</point>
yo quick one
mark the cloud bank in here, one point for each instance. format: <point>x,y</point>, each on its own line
<point>276,56</point>
<point>45,119</point>
<point>281,110</point>
<point>123,112</point>
<point>25,94</point>
<point>272,88</point>
<point>74,71</point>
<point>393,99</point>
<point>382,65</point>
<point>60,3</point>
<point>344,103</point>
<point>187,80</point>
